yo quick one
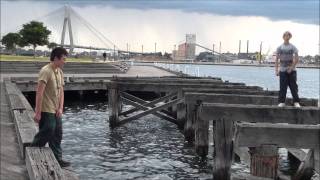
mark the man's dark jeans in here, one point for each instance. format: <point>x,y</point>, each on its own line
<point>288,79</point>
<point>50,131</point>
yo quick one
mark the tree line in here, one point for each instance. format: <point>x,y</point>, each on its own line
<point>32,34</point>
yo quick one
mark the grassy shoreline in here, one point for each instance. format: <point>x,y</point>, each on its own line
<point>38,59</point>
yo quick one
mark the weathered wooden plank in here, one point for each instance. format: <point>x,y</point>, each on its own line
<point>15,102</point>
<point>149,111</point>
<point>241,99</point>
<point>223,134</point>
<point>305,169</point>
<point>201,136</point>
<point>25,129</point>
<point>168,87</point>
<point>256,134</point>
<point>10,87</point>
<point>243,153</point>
<point>297,153</point>
<point>316,156</point>
<point>181,111</point>
<point>261,113</point>
<point>264,161</point>
<point>176,80</point>
<point>114,109</point>
<point>173,78</point>
<point>142,107</point>
<point>230,91</point>
<point>42,165</point>
<point>190,122</point>
<point>149,104</point>
<point>69,86</point>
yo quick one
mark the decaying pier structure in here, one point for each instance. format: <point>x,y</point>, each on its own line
<point>247,123</point>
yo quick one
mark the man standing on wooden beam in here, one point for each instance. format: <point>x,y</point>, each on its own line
<point>288,55</point>
<point>49,104</point>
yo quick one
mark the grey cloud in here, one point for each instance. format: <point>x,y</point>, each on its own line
<point>306,12</point>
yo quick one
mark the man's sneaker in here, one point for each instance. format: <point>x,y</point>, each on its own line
<point>296,104</point>
<point>64,163</point>
<point>281,105</point>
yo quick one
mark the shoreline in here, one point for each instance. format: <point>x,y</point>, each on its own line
<point>225,64</point>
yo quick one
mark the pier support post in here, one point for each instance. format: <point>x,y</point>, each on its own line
<point>264,161</point>
<point>114,107</point>
<point>189,122</point>
<point>223,150</point>
<point>201,135</point>
<point>181,111</point>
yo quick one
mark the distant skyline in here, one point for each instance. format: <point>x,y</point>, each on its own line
<point>167,22</point>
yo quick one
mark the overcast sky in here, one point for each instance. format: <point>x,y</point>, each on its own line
<point>167,22</point>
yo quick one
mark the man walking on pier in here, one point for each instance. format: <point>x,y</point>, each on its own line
<point>49,104</point>
<point>288,55</point>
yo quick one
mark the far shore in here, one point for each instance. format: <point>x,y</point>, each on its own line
<point>314,66</point>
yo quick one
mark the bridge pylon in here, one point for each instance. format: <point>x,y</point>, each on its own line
<point>67,20</point>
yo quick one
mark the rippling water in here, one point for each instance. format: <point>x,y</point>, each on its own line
<point>149,148</point>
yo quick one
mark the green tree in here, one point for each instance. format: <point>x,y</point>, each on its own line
<point>52,45</point>
<point>11,40</point>
<point>35,34</point>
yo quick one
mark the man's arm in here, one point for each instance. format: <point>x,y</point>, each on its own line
<point>277,65</point>
<point>61,103</point>
<point>39,96</point>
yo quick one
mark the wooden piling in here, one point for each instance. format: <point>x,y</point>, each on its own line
<point>114,107</point>
<point>181,111</point>
<point>223,150</point>
<point>264,161</point>
<point>201,135</point>
<point>189,123</point>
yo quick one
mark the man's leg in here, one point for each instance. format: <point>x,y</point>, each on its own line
<point>283,87</point>
<point>55,141</point>
<point>47,127</point>
<point>294,86</point>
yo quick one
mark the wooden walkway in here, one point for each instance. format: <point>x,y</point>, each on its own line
<point>12,165</point>
<point>39,162</point>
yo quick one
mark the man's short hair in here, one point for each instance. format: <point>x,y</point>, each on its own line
<point>287,32</point>
<point>58,52</point>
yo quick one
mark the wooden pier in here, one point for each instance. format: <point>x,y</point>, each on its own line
<point>247,122</point>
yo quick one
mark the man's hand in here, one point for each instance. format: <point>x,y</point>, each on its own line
<point>59,113</point>
<point>37,117</point>
<point>277,73</point>
<point>289,70</point>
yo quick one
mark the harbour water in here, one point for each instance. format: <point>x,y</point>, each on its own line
<point>151,148</point>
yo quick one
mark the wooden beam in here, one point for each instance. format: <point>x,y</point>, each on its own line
<point>142,107</point>
<point>149,111</point>
<point>114,109</point>
<point>15,102</point>
<point>191,97</point>
<point>41,164</point>
<point>305,169</point>
<point>189,126</point>
<point>261,113</point>
<point>230,91</point>
<point>160,87</point>
<point>282,135</point>
<point>149,104</point>
<point>25,129</point>
<point>223,134</point>
<point>201,136</point>
<point>264,161</point>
